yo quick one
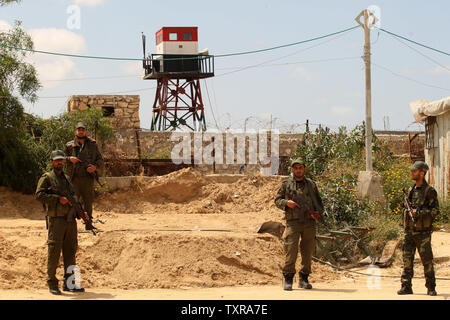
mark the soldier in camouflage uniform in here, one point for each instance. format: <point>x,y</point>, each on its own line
<point>425,208</point>
<point>62,226</point>
<point>84,160</point>
<point>299,224</point>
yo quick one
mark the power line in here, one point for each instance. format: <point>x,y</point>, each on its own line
<point>90,94</point>
<point>408,78</point>
<point>146,59</point>
<point>287,45</point>
<point>279,58</point>
<point>210,105</point>
<point>415,42</point>
<point>422,54</point>
<point>90,78</point>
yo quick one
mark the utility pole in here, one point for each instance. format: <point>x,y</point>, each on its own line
<point>369,182</point>
<point>366,25</point>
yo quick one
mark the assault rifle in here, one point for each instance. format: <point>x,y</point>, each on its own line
<point>306,209</point>
<point>408,206</point>
<point>77,211</point>
<point>84,164</point>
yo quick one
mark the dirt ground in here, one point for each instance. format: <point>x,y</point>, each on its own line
<point>183,236</point>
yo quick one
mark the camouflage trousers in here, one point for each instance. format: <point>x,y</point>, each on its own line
<point>62,237</point>
<point>306,234</point>
<point>421,241</point>
<point>84,190</point>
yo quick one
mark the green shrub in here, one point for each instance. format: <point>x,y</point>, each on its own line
<point>25,155</point>
<point>444,215</point>
<point>395,178</point>
<point>341,203</point>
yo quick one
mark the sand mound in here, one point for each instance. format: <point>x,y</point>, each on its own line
<point>132,260</point>
<point>20,266</point>
<point>187,191</point>
<point>16,205</point>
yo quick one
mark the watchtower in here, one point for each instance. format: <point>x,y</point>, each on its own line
<point>178,67</point>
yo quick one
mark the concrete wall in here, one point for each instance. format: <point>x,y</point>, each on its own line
<point>157,143</point>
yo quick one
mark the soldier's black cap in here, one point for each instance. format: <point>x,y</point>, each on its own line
<point>81,125</point>
<point>57,154</point>
<point>419,165</point>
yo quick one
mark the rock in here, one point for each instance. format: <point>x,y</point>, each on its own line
<point>370,185</point>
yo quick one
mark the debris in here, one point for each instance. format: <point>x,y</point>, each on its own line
<point>386,258</point>
<point>272,227</point>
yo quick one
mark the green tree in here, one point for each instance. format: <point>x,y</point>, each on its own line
<point>18,80</point>
<point>5,2</point>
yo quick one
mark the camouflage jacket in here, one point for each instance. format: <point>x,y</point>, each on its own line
<point>50,187</point>
<point>88,153</point>
<point>425,200</point>
<point>306,191</point>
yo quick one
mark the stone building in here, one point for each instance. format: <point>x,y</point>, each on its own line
<point>123,109</point>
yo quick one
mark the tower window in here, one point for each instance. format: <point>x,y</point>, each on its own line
<point>173,36</point>
<point>187,36</point>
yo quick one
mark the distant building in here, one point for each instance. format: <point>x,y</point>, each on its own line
<point>436,116</point>
<point>122,109</point>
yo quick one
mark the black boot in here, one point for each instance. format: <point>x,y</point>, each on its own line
<point>431,289</point>
<point>405,289</point>
<point>431,292</point>
<point>430,283</point>
<point>288,280</point>
<point>53,287</point>
<point>74,289</point>
<point>55,291</point>
<point>303,281</point>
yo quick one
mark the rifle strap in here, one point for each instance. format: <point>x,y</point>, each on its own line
<point>311,194</point>
<point>425,194</point>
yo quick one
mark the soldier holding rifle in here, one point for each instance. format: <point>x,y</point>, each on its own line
<point>61,223</point>
<point>84,159</point>
<point>421,208</point>
<point>299,197</point>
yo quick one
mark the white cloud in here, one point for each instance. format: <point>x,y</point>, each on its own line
<point>89,3</point>
<point>438,70</point>
<point>341,110</point>
<point>304,74</point>
<point>51,67</point>
<point>133,68</point>
<point>62,40</point>
<point>4,26</point>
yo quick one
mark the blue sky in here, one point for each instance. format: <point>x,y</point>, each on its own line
<point>296,88</point>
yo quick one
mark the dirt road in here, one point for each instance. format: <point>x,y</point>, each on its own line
<point>345,289</point>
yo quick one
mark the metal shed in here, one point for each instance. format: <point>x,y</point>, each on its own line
<point>436,116</point>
